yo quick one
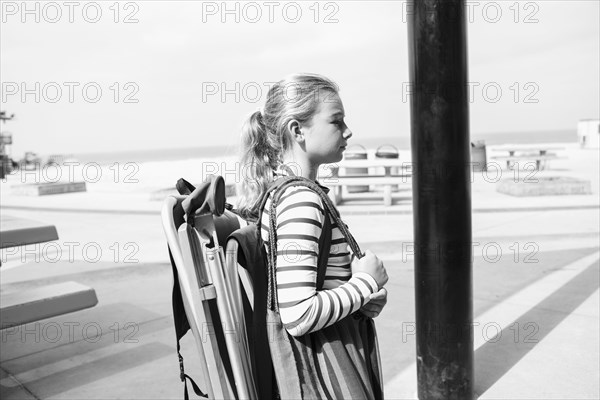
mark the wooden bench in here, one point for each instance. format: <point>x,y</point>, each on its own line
<point>20,308</point>
<point>338,178</point>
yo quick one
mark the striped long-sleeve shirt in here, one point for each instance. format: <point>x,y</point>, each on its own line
<point>303,309</point>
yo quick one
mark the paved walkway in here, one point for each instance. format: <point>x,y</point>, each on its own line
<point>536,298</point>
<point>536,303</point>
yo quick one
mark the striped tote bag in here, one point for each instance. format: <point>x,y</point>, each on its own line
<point>340,361</point>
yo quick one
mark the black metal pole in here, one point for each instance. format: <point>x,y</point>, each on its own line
<point>441,198</point>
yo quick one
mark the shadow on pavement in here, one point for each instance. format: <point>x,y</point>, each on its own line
<point>100,368</point>
<point>494,359</point>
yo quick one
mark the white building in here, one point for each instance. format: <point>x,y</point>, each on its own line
<point>588,133</point>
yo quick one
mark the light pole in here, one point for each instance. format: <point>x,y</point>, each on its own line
<point>441,198</point>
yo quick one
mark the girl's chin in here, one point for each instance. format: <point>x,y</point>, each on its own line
<point>338,156</point>
<point>333,158</point>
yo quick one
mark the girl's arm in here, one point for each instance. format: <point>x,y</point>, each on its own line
<point>303,309</point>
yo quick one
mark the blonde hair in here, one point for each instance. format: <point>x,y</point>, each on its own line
<point>265,136</point>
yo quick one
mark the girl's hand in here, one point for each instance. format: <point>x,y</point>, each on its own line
<point>371,265</point>
<point>374,307</point>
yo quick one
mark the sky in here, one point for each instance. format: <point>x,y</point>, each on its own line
<point>117,76</point>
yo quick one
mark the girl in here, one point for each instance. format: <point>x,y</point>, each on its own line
<point>301,127</point>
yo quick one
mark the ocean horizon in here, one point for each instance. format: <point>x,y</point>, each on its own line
<point>400,142</point>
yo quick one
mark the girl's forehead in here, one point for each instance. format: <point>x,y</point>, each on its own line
<point>331,104</point>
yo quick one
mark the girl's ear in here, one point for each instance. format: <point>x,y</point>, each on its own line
<point>295,131</point>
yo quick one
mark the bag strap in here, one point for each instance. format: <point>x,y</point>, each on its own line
<point>279,187</point>
<point>181,327</point>
<point>323,258</point>
<point>329,206</point>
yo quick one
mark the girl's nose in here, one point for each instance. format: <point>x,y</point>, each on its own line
<point>347,133</point>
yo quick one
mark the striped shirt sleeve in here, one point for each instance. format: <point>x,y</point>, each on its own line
<point>303,309</point>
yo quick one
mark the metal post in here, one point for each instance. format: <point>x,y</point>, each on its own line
<point>441,198</point>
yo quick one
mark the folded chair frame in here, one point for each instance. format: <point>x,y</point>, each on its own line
<point>207,275</point>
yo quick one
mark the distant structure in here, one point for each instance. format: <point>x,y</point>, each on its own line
<point>6,165</point>
<point>59,158</point>
<point>588,133</point>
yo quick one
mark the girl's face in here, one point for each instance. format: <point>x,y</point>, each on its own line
<point>326,134</point>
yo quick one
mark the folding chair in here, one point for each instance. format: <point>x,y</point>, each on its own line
<point>195,225</point>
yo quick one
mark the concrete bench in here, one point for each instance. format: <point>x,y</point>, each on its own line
<point>20,232</point>
<point>49,301</point>
<point>367,163</point>
<point>344,174</point>
<point>20,308</point>
<point>540,159</point>
<point>336,183</point>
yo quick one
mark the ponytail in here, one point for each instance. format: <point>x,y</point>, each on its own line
<point>257,162</point>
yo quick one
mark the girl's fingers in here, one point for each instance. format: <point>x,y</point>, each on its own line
<point>377,303</point>
<point>381,294</point>
<point>370,314</point>
<point>370,307</point>
<point>373,307</point>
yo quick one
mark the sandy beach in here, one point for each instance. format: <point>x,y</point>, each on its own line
<point>526,254</point>
<point>139,184</point>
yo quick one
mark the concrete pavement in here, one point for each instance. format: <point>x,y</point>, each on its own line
<point>124,347</point>
<point>535,295</point>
